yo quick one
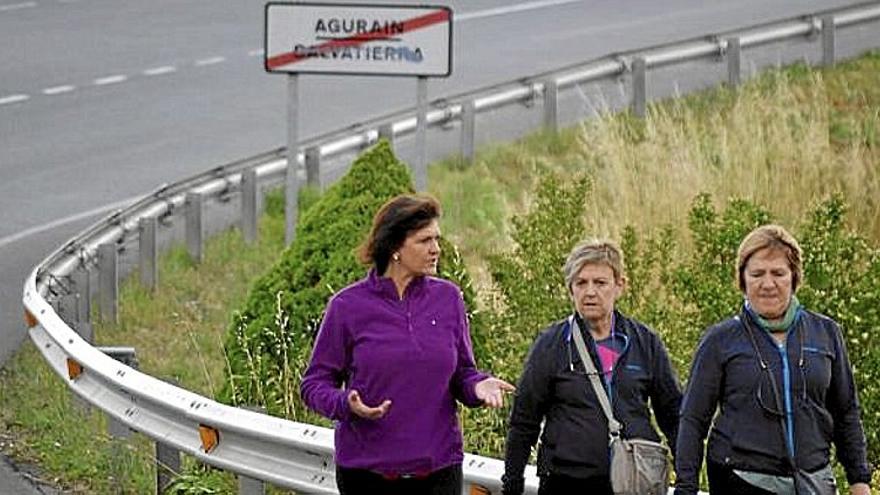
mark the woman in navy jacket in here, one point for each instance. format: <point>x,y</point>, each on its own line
<point>765,421</point>
<point>554,388</point>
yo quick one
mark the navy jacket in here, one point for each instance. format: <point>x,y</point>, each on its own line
<point>554,388</point>
<point>746,433</point>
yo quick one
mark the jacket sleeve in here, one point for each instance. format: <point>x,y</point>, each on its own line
<point>697,409</point>
<point>466,376</point>
<point>526,415</point>
<point>843,404</point>
<point>321,387</point>
<point>665,394</point>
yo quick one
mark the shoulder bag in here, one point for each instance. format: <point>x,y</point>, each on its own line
<point>638,466</point>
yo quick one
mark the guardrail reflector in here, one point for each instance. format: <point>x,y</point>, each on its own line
<point>74,369</point>
<point>210,437</point>
<point>29,319</point>
<point>479,490</point>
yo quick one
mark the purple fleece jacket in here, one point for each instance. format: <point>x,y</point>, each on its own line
<point>414,351</point>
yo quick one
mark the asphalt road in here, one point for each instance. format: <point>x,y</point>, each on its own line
<point>103,100</point>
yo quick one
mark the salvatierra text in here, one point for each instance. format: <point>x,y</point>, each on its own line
<point>378,53</point>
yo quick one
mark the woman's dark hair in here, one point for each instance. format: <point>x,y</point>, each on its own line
<point>394,221</point>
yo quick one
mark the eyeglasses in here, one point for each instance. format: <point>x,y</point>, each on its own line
<point>767,397</point>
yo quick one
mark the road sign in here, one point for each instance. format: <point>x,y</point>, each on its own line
<point>327,38</point>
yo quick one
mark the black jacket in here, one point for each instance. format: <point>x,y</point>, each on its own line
<point>747,433</point>
<point>555,389</point>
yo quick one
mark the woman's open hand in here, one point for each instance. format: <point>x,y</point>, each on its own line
<point>860,489</point>
<point>360,409</point>
<point>491,391</point>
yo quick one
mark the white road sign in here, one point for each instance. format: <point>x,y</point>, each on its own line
<point>341,38</point>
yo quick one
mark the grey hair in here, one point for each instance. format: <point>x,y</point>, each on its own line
<point>599,251</point>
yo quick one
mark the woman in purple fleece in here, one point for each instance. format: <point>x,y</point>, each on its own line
<point>392,357</point>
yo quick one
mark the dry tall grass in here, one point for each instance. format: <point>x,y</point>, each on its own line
<point>779,142</point>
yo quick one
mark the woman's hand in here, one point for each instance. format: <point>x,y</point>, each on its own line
<point>491,391</point>
<point>860,489</point>
<point>360,409</point>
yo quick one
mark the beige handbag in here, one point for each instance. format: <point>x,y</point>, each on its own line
<point>638,466</point>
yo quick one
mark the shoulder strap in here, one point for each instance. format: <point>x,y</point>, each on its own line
<point>614,426</point>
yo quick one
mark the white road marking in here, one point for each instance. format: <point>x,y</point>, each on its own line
<point>5,241</point>
<point>58,90</point>
<point>210,61</point>
<point>103,81</point>
<point>522,7</point>
<point>165,69</point>
<point>13,99</point>
<point>17,6</point>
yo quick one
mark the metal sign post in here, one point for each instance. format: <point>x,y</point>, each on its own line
<point>421,166</point>
<point>379,40</point>
<point>291,191</point>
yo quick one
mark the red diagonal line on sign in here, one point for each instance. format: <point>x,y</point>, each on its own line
<point>409,25</point>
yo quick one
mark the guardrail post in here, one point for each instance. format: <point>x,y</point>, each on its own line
<point>167,466</point>
<point>80,278</point>
<point>468,130</point>
<point>386,131</point>
<point>194,226</point>
<point>249,205</point>
<point>551,105</point>
<point>147,252</point>
<point>108,282</point>
<point>828,41</point>
<point>167,460</point>
<point>247,485</point>
<point>118,430</point>
<point>250,486</point>
<point>313,166</point>
<point>68,307</point>
<point>639,86</point>
<point>734,62</point>
<point>128,357</point>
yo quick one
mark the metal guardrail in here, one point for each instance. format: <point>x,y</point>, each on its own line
<point>282,452</point>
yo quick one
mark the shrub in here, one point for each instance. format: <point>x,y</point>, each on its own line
<point>269,340</point>
<point>533,294</point>
<point>842,280</point>
<point>530,277</point>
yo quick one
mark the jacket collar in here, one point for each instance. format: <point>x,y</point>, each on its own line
<point>620,328</point>
<point>385,287</point>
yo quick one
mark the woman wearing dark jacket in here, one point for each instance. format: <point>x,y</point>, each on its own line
<point>554,388</point>
<point>781,381</point>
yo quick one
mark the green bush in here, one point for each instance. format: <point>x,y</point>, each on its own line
<point>269,341</point>
<point>530,277</point>
<point>529,280</point>
<point>842,280</point>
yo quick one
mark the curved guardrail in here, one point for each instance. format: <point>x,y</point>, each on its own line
<point>282,452</point>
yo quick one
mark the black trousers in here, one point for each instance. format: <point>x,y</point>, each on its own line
<point>555,484</point>
<point>723,481</point>
<point>446,481</point>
